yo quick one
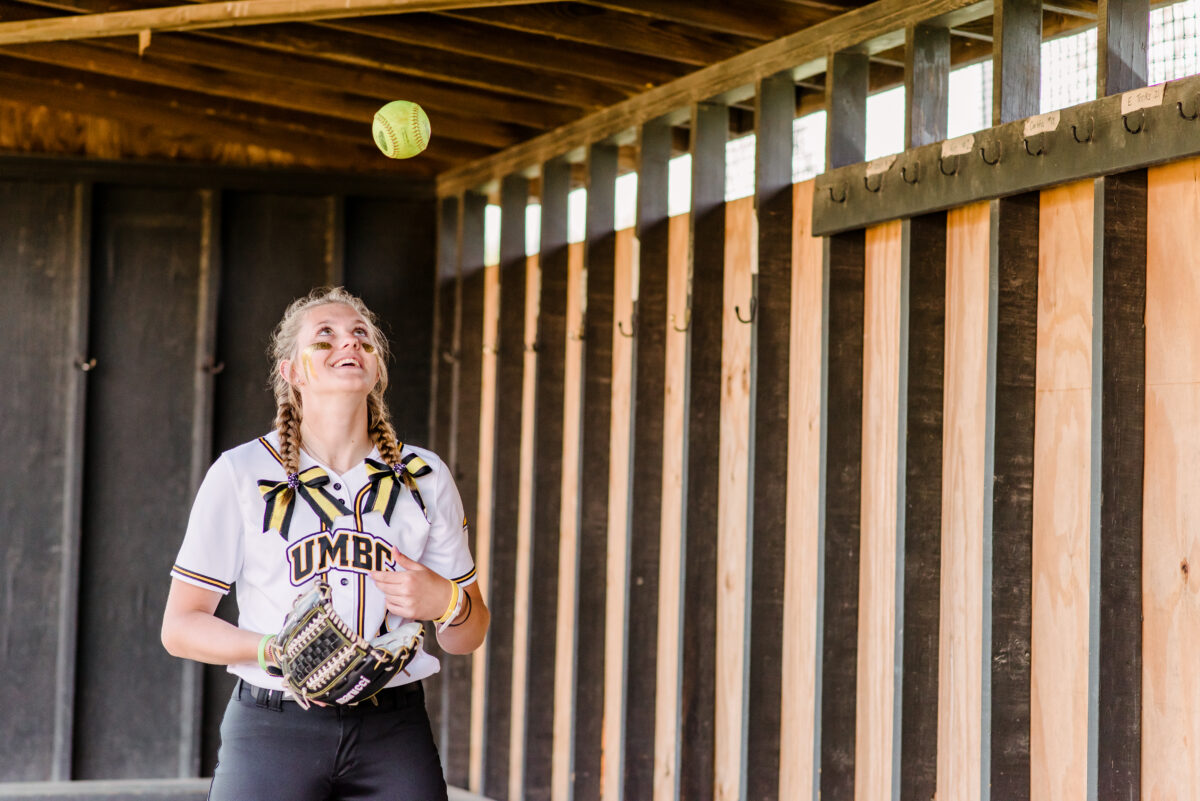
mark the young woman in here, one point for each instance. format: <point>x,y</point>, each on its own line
<point>329,492</point>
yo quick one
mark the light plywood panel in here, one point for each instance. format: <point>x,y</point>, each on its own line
<point>568,544</point>
<point>960,650</point>
<point>521,586</point>
<point>616,614</point>
<point>797,773</point>
<point>741,259</point>
<point>1171,517</point>
<point>1062,497</point>
<point>875,711</point>
<point>670,612</point>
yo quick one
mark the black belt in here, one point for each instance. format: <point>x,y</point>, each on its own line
<point>385,699</point>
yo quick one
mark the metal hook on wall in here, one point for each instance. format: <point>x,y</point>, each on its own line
<point>1091,132</point>
<point>876,187</point>
<point>1041,148</point>
<point>1141,125</point>
<point>633,326</point>
<point>687,321</point>
<point>1189,117</point>
<point>942,169</point>
<point>916,165</point>
<point>986,160</point>
<point>737,311</point>
<point>211,366</point>
<point>841,199</point>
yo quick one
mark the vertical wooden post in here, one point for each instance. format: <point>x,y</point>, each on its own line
<point>75,385</point>
<point>1008,534</point>
<point>502,550</point>
<point>456,670</point>
<point>641,642</point>
<point>1118,419</point>
<point>592,554</point>
<point>923,325</point>
<point>846,91</point>
<point>770,362</point>
<point>710,126</point>
<point>537,728</point>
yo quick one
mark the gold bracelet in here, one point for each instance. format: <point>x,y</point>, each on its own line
<point>449,613</point>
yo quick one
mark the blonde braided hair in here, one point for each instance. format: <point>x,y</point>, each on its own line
<point>289,410</point>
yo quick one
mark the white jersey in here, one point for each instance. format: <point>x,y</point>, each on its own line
<point>228,541</point>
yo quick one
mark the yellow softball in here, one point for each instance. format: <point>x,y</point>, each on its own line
<point>401,129</point>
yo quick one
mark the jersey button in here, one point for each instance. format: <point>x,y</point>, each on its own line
<point>345,582</point>
<point>337,486</point>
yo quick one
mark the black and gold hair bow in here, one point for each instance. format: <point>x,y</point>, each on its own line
<point>385,484</point>
<point>308,484</point>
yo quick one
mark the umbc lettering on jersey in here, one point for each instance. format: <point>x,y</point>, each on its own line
<point>344,548</point>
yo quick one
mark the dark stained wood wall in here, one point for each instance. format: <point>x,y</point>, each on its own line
<point>172,291</point>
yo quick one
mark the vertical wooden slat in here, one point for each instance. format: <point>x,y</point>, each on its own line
<point>620,485</point>
<point>441,411</point>
<point>771,334</point>
<point>846,91</point>
<point>883,383</point>
<point>646,492</point>
<point>563,692</point>
<point>1119,369</point>
<point>1008,543</point>
<point>44,245</point>
<point>667,721</point>
<point>592,555</point>
<point>503,553</point>
<point>191,717</point>
<point>1171,528</point>
<point>710,126</point>
<point>1120,206</point>
<point>733,509</point>
<point>799,741</point>
<point>533,737</point>
<point>74,427</point>
<point>464,464</point>
<point>1060,637</point>
<point>149,247</point>
<point>927,83</point>
<point>961,669</point>
<point>1016,93</point>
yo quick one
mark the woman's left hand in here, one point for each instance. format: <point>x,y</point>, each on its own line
<point>413,591</point>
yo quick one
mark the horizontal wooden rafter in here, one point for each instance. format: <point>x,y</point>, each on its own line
<point>878,27</point>
<point>234,13</point>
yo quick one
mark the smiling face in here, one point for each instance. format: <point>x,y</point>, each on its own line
<point>334,352</point>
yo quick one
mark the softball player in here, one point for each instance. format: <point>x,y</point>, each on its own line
<point>322,495</point>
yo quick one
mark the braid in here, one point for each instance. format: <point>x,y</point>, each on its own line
<point>287,423</point>
<point>379,426</point>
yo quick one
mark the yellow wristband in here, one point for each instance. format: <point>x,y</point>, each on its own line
<point>445,616</point>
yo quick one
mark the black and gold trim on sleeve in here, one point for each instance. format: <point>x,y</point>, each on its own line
<point>465,577</point>
<point>209,581</point>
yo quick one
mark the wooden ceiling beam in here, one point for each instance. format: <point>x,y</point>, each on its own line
<point>430,64</point>
<point>105,100</point>
<point>231,13</point>
<point>803,52</point>
<point>757,19</point>
<point>205,49</point>
<point>629,32</point>
<point>512,47</point>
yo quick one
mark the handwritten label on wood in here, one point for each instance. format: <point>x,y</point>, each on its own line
<point>880,165</point>
<point>960,146</point>
<point>1149,97</point>
<point>1042,123</point>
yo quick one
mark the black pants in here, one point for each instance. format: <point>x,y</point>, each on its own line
<point>273,750</point>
